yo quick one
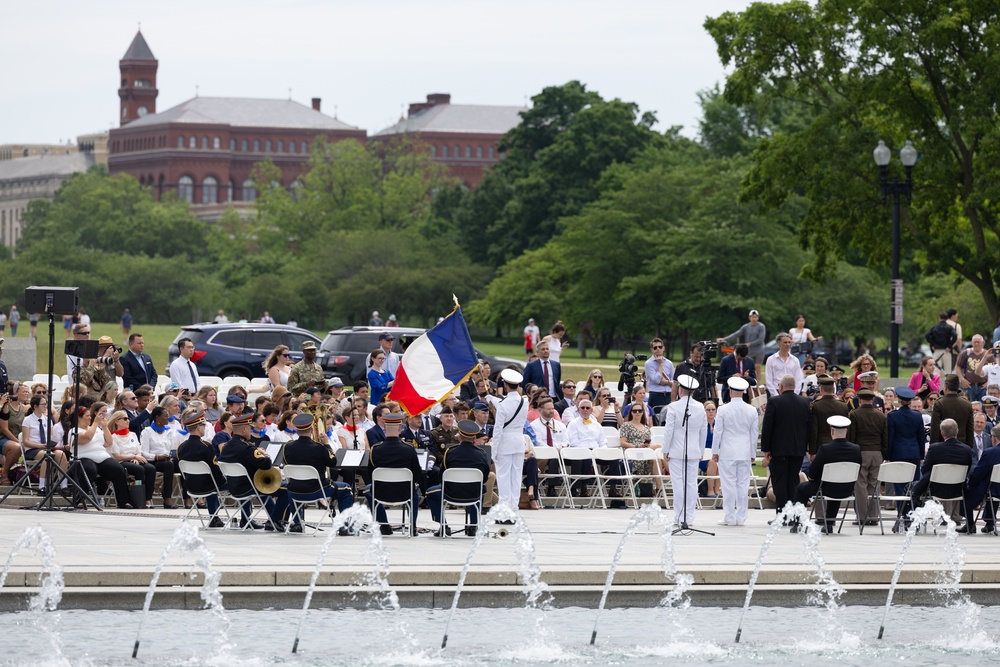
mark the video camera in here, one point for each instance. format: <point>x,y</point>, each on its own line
<point>629,371</point>
<point>709,350</point>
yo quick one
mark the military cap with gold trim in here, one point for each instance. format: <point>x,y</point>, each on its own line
<point>303,422</point>
<point>194,420</point>
<point>242,420</point>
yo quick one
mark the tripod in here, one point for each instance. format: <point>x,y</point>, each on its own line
<point>684,528</point>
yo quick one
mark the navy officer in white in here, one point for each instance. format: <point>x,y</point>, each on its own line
<point>734,447</point>
<point>508,437</point>
<point>683,446</point>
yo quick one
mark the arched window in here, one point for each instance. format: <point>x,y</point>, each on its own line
<point>267,146</point>
<point>209,191</point>
<point>232,145</point>
<point>256,145</point>
<point>243,145</point>
<point>185,188</point>
<point>433,150</point>
<point>204,143</point>
<point>468,151</point>
<point>249,193</point>
<point>230,189</point>
<point>193,143</point>
<point>180,141</point>
<point>216,144</point>
<point>457,152</point>
<point>444,150</point>
<point>281,146</point>
<point>479,152</point>
<point>305,146</point>
<point>491,152</point>
<point>291,146</point>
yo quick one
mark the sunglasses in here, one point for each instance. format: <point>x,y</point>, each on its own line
<point>585,408</point>
<point>597,377</point>
<point>41,392</point>
<point>82,333</point>
<point>285,354</point>
<point>657,347</point>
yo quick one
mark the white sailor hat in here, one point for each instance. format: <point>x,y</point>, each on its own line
<point>838,421</point>
<point>870,376</point>
<point>737,383</point>
<point>511,376</point>
<point>688,382</point>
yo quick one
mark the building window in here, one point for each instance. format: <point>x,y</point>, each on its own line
<point>491,152</point>
<point>249,193</point>
<point>256,145</point>
<point>444,151</point>
<point>216,143</point>
<point>291,146</point>
<point>209,191</point>
<point>457,152</point>
<point>305,146</point>
<point>267,146</point>
<point>185,188</point>
<point>180,141</point>
<point>193,142</point>
<point>243,145</point>
<point>281,146</point>
<point>204,143</point>
<point>479,152</point>
<point>230,189</point>
<point>433,151</point>
<point>232,145</point>
<point>468,151</point>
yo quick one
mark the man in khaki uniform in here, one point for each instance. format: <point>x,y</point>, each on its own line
<point>825,406</point>
<point>868,430</point>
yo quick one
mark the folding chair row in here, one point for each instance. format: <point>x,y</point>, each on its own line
<point>607,467</point>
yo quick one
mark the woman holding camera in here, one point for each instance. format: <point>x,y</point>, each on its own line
<point>606,408</point>
<point>925,380</point>
<point>94,451</point>
<point>800,336</point>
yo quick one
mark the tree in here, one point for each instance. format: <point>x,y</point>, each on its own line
<point>878,69</point>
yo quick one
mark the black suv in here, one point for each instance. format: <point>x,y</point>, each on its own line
<point>238,349</point>
<point>344,351</point>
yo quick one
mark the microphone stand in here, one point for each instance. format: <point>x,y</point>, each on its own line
<point>684,528</point>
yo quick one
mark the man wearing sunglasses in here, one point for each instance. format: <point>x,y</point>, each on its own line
<point>659,372</point>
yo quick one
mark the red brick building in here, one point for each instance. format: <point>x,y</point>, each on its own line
<point>205,148</point>
<point>462,136</point>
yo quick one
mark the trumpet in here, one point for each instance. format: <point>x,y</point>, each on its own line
<point>500,534</point>
<point>267,481</point>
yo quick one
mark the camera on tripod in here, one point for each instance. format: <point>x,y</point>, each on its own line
<point>805,347</point>
<point>709,350</point>
<point>629,372</point>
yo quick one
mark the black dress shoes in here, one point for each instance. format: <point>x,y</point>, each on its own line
<point>969,528</point>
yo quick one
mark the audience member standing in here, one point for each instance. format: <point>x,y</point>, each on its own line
<point>783,439</point>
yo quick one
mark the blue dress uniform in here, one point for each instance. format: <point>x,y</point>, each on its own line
<point>463,455</point>
<point>394,453</point>
<point>196,449</point>
<point>306,451</point>
<point>239,450</point>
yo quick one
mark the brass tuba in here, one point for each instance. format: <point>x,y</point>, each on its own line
<point>321,414</point>
<point>267,481</point>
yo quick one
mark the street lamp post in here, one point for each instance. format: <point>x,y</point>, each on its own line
<point>895,188</point>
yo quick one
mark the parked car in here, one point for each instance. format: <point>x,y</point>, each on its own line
<point>238,349</point>
<point>344,351</point>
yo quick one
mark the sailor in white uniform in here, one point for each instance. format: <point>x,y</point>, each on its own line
<point>685,432</point>
<point>734,446</point>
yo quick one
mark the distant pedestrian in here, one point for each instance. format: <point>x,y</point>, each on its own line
<point>942,338</point>
<point>266,318</point>
<point>14,318</point>
<point>84,318</point>
<point>531,335</point>
<point>292,323</point>
<point>221,318</point>
<point>375,320</point>
<point>126,322</point>
<point>33,321</point>
<point>3,323</point>
<point>391,322</point>
<point>754,334</point>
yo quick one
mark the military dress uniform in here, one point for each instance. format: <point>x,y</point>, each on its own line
<point>868,430</point>
<point>196,449</point>
<point>463,455</point>
<point>307,452</point>
<point>836,451</point>
<point>239,450</point>
<point>443,438</point>
<point>508,439</point>
<point>820,410</point>
<point>684,445</point>
<point>735,443</point>
<point>394,453</point>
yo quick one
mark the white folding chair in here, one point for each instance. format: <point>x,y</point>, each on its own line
<point>382,476</point>
<point>210,380</point>
<point>657,434</point>
<point>460,476</point>
<point>612,457</point>
<point>544,455</point>
<point>201,469</point>
<point>893,472</point>
<point>235,471</point>
<point>635,455</point>
<point>299,501</point>
<point>581,455</point>
<point>837,473</point>
<point>611,433</point>
<point>994,479</point>
<point>665,481</point>
<point>951,474</point>
<point>758,486</point>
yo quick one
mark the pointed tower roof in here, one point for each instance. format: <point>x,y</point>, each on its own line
<point>139,49</point>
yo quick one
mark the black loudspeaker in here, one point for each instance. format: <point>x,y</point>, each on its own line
<point>84,349</point>
<point>57,300</point>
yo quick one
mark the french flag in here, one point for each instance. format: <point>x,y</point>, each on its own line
<point>434,364</point>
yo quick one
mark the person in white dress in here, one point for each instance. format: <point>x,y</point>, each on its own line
<point>734,447</point>
<point>685,433</point>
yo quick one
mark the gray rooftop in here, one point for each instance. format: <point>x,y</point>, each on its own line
<point>139,49</point>
<point>44,166</point>
<point>244,112</point>
<point>458,118</point>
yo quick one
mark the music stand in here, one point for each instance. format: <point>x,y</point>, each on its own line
<point>690,384</point>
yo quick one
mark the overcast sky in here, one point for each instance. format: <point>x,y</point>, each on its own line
<point>366,57</point>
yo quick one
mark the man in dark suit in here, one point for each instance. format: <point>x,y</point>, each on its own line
<point>953,405</point>
<point>979,482</point>
<point>783,439</point>
<point>739,364</point>
<point>568,389</point>
<point>463,455</point>
<point>825,406</point>
<point>543,372</point>
<point>951,450</point>
<point>137,365</point>
<point>838,450</point>
<point>394,453</point>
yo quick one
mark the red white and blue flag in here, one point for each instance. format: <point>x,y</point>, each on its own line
<point>434,364</point>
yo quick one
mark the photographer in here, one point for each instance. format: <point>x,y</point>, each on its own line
<point>96,374</point>
<point>692,367</point>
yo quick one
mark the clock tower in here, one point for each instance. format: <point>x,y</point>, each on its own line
<point>138,81</point>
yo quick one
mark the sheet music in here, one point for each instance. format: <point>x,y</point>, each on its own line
<point>353,458</point>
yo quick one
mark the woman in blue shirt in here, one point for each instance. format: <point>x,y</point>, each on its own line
<point>379,379</point>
